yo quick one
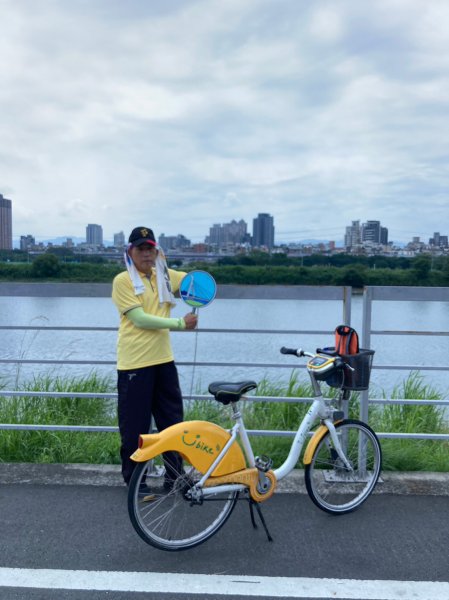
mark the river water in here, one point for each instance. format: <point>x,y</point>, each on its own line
<point>228,347</point>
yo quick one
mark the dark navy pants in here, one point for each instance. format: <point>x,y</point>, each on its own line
<point>142,393</point>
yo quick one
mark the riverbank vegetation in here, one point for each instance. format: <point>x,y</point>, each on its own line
<point>257,268</point>
<point>103,447</point>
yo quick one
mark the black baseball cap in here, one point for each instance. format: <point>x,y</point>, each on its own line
<point>142,235</point>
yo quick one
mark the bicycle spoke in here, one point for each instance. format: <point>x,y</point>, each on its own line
<point>331,486</point>
<point>171,519</point>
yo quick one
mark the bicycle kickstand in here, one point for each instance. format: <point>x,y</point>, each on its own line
<point>252,503</point>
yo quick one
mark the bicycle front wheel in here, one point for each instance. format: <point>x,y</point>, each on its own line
<point>162,510</point>
<point>331,485</point>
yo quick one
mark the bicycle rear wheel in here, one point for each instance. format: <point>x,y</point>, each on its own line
<point>330,485</point>
<point>165,515</point>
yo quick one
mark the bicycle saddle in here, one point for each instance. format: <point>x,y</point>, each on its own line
<point>226,391</point>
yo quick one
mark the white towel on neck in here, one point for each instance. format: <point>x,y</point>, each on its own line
<point>162,278</point>
<point>133,273</point>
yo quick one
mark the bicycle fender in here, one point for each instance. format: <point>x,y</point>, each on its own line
<point>199,442</point>
<point>314,441</point>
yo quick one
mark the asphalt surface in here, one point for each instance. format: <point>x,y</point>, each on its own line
<point>416,483</point>
<point>75,517</point>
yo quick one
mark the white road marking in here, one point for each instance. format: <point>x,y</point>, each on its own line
<point>224,585</point>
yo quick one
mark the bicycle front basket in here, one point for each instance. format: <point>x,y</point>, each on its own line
<point>358,379</point>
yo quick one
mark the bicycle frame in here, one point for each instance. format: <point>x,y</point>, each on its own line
<point>228,470</point>
<point>319,409</point>
<point>225,466</point>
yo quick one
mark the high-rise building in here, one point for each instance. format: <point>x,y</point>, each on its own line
<point>27,242</point>
<point>173,242</point>
<point>438,240</point>
<point>263,231</point>
<point>373,232</point>
<point>232,233</point>
<point>235,232</point>
<point>5,224</point>
<point>369,233</point>
<point>94,235</point>
<point>353,235</point>
<point>215,237</point>
<point>119,239</point>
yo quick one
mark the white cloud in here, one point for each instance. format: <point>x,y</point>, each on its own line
<point>187,114</point>
<point>326,24</point>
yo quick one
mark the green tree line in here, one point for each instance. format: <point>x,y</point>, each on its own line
<point>339,269</point>
<point>50,267</point>
<point>257,268</point>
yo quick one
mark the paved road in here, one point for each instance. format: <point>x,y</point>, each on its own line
<point>83,527</point>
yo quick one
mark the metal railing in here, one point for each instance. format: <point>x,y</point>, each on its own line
<point>400,294</point>
<point>341,294</point>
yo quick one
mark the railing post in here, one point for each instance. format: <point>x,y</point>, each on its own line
<point>366,343</point>
<point>347,299</point>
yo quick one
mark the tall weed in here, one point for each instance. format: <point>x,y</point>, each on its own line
<point>413,454</point>
<point>59,446</point>
<point>92,447</point>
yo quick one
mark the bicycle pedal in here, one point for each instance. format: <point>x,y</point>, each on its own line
<point>264,463</point>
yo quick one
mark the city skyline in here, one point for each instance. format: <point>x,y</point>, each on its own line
<point>235,232</point>
<point>220,235</point>
<point>291,237</point>
<point>183,114</point>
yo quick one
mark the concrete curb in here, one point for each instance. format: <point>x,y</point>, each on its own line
<point>413,483</point>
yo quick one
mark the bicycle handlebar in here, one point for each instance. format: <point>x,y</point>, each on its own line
<point>300,352</point>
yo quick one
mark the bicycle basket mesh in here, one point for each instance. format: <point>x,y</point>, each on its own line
<point>358,379</point>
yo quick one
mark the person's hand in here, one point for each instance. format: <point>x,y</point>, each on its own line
<point>191,320</point>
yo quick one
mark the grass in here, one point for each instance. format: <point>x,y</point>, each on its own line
<point>59,446</point>
<point>103,448</point>
<point>413,455</point>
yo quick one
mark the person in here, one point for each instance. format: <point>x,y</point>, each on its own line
<point>147,377</point>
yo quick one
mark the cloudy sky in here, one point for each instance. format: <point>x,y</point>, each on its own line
<point>178,114</point>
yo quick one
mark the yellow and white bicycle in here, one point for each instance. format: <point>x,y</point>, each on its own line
<point>197,470</point>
